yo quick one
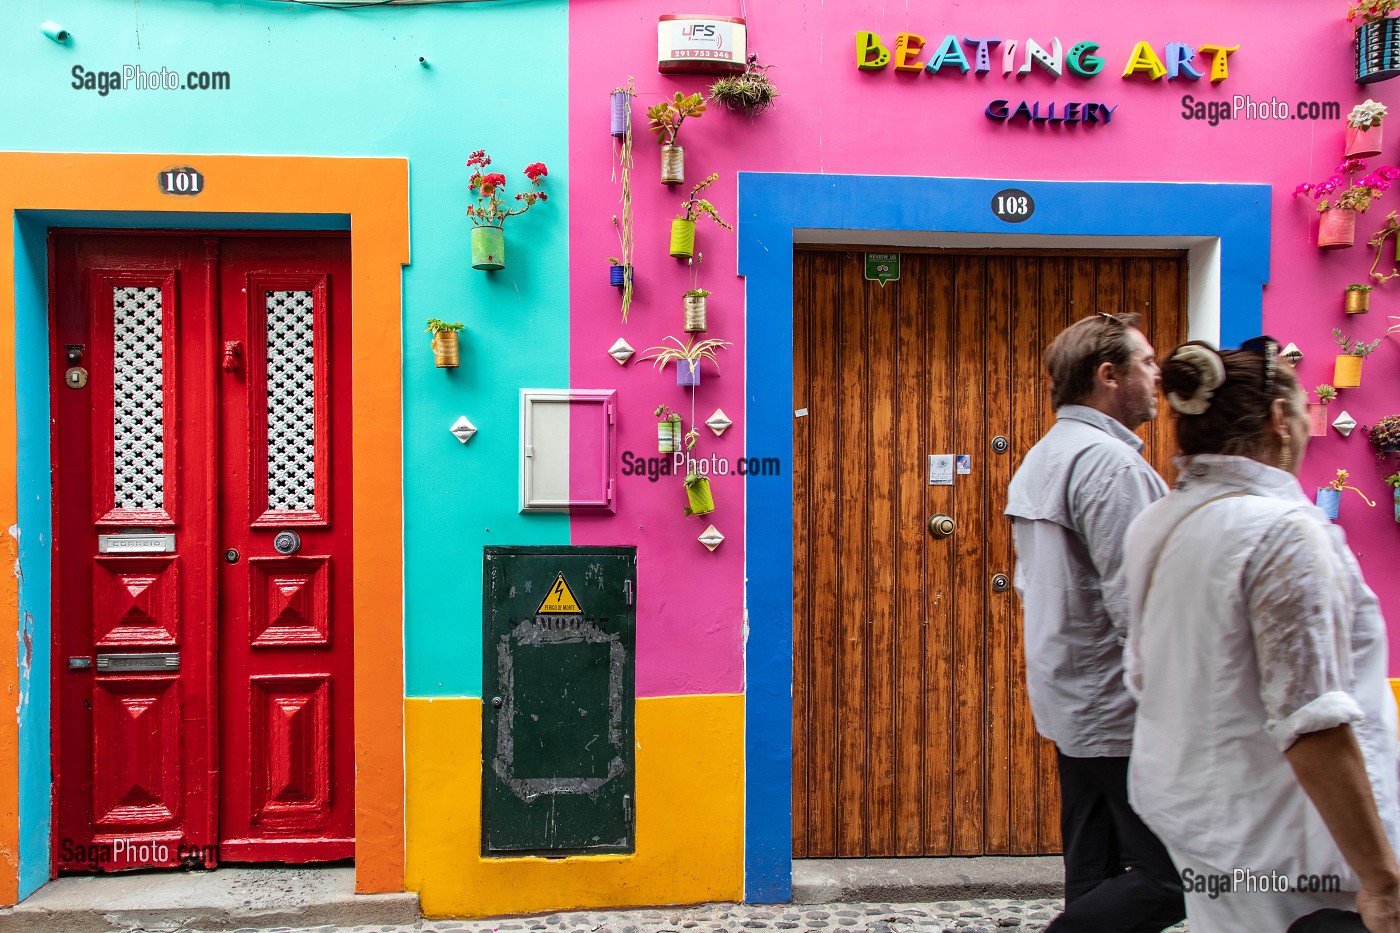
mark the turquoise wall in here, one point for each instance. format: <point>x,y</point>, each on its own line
<point>310,81</point>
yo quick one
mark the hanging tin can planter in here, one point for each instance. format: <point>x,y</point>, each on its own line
<point>1346,373</point>
<point>1358,300</point>
<point>695,321</point>
<point>488,248</point>
<point>618,276</point>
<point>682,238</point>
<point>1317,419</point>
<point>687,372</point>
<point>1377,48</point>
<point>621,113</point>
<point>699,500</point>
<point>1397,503</point>
<point>668,436</point>
<point>446,349</point>
<point>1363,143</point>
<point>672,165</point>
<point>1336,229</point>
<point>1330,501</point>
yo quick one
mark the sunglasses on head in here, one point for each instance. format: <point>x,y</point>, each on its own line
<point>1266,347</point>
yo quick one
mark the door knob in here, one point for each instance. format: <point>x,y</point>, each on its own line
<point>941,526</point>
<point>286,542</point>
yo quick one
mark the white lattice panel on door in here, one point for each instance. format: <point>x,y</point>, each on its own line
<point>291,416</point>
<point>137,389</point>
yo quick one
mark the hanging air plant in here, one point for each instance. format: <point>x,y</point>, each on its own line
<point>622,221</point>
<point>749,93</point>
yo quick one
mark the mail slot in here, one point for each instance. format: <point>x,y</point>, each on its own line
<point>138,661</point>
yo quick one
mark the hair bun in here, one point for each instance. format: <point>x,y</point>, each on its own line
<point>1209,371</point>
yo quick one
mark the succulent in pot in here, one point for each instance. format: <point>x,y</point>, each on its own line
<point>665,119</point>
<point>446,346</point>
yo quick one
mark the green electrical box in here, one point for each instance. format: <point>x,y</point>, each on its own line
<point>558,700</point>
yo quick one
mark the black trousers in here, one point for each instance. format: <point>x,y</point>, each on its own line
<point>1118,875</point>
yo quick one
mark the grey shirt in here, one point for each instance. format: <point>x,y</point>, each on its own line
<point>1071,502</point>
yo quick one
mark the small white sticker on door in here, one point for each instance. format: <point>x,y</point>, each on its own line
<point>940,469</point>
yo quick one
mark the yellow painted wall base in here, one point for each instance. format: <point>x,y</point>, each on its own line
<point>1395,688</point>
<point>690,816</point>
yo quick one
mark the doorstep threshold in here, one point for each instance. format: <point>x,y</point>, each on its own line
<point>223,899</point>
<point>924,880</point>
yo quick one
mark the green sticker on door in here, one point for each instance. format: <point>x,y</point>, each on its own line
<point>882,267</point>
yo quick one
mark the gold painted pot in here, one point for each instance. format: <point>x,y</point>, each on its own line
<point>1346,374</point>
<point>446,349</point>
<point>1358,301</point>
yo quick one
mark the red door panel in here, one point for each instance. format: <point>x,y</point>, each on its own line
<point>133,756</point>
<point>169,658</point>
<point>286,645</point>
<point>137,785</point>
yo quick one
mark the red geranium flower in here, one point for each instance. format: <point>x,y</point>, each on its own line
<point>490,208</point>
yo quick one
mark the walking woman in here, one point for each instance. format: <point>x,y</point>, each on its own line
<point>1264,754</point>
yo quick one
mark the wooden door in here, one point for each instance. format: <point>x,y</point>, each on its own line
<point>912,734</point>
<point>164,648</point>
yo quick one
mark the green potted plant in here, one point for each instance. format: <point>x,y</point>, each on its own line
<point>1393,481</point>
<point>1329,497</point>
<point>1374,40</point>
<point>692,209</point>
<point>1346,374</point>
<point>1384,436</point>
<point>1317,411</point>
<point>1342,196</point>
<point>491,209</point>
<point>749,93</point>
<point>665,121</point>
<point>687,357</point>
<point>695,320</point>
<point>699,499</point>
<point>446,346</point>
<point>1363,139</point>
<point>1358,299</point>
<point>668,430</point>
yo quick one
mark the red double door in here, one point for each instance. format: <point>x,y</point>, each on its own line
<point>203,653</point>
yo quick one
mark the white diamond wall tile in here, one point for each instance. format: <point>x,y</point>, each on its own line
<point>711,537</point>
<point>138,394</point>
<point>463,429</point>
<point>719,421</point>
<point>1344,424</point>
<point>291,405</point>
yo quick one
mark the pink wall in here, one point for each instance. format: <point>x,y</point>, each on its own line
<point>836,119</point>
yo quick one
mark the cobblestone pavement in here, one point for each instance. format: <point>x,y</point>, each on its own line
<point>985,916</point>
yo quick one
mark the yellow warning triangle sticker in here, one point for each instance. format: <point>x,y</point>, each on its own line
<point>560,599</point>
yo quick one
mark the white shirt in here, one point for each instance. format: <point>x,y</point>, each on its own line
<point>1257,628</point>
<point>1071,502</point>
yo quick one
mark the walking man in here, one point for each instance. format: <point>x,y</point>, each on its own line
<point>1071,502</point>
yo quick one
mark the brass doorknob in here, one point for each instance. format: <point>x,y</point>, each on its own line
<point>941,526</point>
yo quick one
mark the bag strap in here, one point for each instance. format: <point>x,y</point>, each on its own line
<point>1152,572</point>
